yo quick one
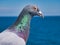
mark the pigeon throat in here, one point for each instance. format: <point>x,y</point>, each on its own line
<point>22,26</point>
<point>24,23</point>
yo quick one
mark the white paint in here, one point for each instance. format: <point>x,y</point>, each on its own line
<point>9,38</point>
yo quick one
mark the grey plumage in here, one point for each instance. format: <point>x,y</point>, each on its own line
<point>18,33</point>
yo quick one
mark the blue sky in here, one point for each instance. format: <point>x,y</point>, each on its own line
<point>14,7</point>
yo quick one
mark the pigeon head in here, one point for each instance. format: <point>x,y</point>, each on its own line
<point>33,10</point>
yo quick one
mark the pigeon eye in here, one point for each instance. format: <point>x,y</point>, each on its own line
<point>34,8</point>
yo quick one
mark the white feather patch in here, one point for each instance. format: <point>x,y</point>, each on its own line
<point>9,38</point>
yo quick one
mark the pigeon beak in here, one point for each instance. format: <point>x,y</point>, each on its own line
<point>40,14</point>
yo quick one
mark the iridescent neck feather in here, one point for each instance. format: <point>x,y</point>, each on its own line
<point>21,26</point>
<point>24,23</point>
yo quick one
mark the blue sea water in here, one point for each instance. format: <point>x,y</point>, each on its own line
<point>42,32</point>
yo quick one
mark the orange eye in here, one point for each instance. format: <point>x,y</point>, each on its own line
<point>34,8</point>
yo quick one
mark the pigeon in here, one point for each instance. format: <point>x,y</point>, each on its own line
<point>18,33</point>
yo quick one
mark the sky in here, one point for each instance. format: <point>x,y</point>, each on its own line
<point>14,7</point>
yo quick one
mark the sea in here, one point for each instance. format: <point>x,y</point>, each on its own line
<point>43,31</point>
